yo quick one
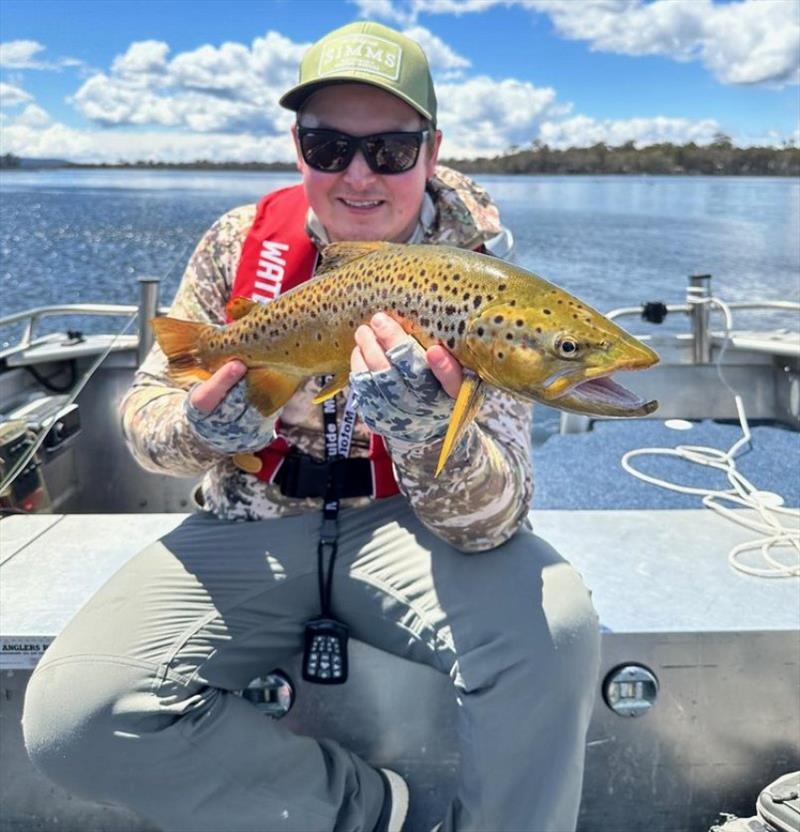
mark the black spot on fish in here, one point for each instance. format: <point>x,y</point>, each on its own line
<point>500,355</point>
<point>480,331</point>
<point>450,310</point>
<point>510,336</point>
<point>502,287</point>
<point>319,336</point>
<point>434,287</point>
<point>451,342</point>
<point>466,296</point>
<point>520,322</point>
<point>547,312</point>
<point>498,319</point>
<point>477,302</point>
<point>461,327</point>
<point>539,329</point>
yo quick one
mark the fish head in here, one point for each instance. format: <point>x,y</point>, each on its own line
<point>558,351</point>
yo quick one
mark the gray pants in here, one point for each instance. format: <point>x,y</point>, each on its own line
<point>132,703</point>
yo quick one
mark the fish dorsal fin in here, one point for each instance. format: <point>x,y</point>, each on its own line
<point>468,401</point>
<point>239,307</point>
<point>335,255</point>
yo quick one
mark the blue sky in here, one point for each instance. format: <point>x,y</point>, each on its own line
<point>183,79</point>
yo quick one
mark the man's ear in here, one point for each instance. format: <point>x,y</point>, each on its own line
<point>432,157</point>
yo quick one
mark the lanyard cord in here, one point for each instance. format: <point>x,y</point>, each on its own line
<point>337,447</point>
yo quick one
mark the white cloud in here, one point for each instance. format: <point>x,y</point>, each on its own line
<point>19,54</point>
<point>744,42</point>
<point>22,54</point>
<point>209,89</point>
<point>482,116</point>
<point>442,59</point>
<point>33,116</point>
<point>60,141</point>
<point>582,131</point>
<point>11,96</point>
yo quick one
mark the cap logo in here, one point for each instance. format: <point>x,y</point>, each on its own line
<point>362,53</point>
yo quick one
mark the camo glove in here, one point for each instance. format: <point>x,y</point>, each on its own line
<point>405,402</point>
<point>233,426</point>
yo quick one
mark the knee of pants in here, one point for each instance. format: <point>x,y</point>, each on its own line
<point>542,626</point>
<point>84,719</point>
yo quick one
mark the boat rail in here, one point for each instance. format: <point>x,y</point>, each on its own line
<point>146,308</point>
<point>697,307</point>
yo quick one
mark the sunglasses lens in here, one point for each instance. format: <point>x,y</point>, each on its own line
<point>325,151</point>
<point>392,152</point>
<point>332,152</point>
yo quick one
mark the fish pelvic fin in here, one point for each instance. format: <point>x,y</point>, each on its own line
<point>268,390</point>
<point>180,342</point>
<point>468,401</point>
<point>336,384</point>
<point>335,255</point>
<point>239,306</point>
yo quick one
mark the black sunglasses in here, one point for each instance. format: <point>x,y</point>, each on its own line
<point>331,151</point>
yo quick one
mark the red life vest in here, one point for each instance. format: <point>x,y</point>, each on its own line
<point>277,256</point>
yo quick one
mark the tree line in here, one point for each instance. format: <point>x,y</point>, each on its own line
<point>720,157</point>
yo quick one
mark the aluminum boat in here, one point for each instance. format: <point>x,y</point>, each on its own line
<point>698,696</point>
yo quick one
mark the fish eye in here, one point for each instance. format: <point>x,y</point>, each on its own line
<point>567,347</point>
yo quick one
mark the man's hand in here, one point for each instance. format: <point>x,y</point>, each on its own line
<point>219,412</point>
<point>374,341</point>
<point>404,394</point>
<point>208,394</point>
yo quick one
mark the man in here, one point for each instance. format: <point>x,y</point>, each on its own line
<point>133,703</point>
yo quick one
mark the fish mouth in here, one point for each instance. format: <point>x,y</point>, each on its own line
<point>605,397</point>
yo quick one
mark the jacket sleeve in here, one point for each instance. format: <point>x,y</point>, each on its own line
<point>483,494</point>
<point>153,411</point>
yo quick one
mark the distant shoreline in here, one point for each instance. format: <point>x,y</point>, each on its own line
<point>720,158</point>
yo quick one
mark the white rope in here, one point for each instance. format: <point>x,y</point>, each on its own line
<point>741,493</point>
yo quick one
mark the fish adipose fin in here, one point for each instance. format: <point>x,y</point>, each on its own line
<point>179,342</point>
<point>268,390</point>
<point>333,386</point>
<point>468,401</point>
<point>240,306</point>
<point>337,254</point>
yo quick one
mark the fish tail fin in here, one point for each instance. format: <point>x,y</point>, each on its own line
<point>180,341</point>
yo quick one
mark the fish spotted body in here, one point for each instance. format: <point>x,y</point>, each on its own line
<point>509,327</point>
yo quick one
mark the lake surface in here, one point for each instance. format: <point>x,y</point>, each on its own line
<point>85,236</point>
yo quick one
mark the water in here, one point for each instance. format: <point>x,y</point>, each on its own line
<point>71,236</point>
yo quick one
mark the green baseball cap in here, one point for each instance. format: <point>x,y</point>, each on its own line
<point>367,53</point>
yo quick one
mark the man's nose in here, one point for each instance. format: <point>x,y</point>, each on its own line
<point>358,172</point>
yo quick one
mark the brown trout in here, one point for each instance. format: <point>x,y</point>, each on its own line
<point>506,326</point>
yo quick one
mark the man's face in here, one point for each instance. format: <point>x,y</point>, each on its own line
<point>358,204</point>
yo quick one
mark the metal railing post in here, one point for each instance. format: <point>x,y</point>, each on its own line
<point>700,289</point>
<point>148,308</point>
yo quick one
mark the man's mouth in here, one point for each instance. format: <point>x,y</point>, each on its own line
<point>361,204</point>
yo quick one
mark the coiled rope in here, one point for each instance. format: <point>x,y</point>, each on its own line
<point>742,492</point>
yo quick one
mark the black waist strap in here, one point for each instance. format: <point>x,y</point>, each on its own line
<point>301,475</point>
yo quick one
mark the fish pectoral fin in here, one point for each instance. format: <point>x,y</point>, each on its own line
<point>239,306</point>
<point>468,401</point>
<point>337,254</point>
<point>336,384</point>
<point>268,390</point>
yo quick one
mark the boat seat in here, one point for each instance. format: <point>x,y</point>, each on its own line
<point>666,596</point>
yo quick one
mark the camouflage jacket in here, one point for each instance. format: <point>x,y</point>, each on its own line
<point>477,502</point>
